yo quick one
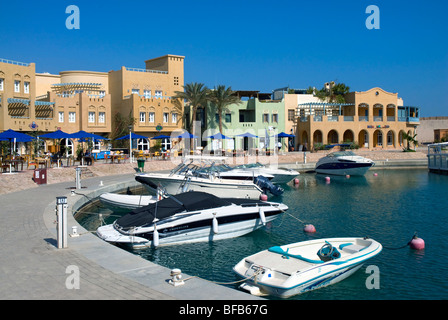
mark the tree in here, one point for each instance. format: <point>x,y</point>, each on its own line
<point>335,92</point>
<point>222,97</point>
<point>121,128</point>
<point>196,95</point>
<point>410,138</point>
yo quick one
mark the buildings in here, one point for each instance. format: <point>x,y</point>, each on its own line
<point>257,114</point>
<point>86,100</point>
<point>372,119</point>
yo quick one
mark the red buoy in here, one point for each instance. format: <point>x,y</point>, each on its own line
<point>417,243</point>
<point>309,228</point>
<point>264,197</point>
<point>296,181</point>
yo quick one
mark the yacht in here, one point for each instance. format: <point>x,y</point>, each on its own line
<point>190,217</point>
<point>189,176</point>
<point>279,175</point>
<point>343,163</point>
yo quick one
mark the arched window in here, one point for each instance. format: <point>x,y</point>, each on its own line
<point>143,144</point>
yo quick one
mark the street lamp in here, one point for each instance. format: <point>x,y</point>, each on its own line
<point>130,144</point>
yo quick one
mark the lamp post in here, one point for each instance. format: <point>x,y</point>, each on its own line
<point>130,144</point>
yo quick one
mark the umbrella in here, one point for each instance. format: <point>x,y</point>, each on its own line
<point>284,135</point>
<point>248,135</point>
<point>82,134</point>
<point>133,135</point>
<point>162,136</point>
<point>14,135</point>
<point>219,136</point>
<point>186,135</point>
<point>56,135</point>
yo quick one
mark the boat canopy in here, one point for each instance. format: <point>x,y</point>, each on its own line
<point>188,201</point>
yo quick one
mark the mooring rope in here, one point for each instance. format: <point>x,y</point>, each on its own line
<point>227,283</point>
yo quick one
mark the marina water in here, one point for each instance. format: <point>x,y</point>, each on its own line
<point>386,205</point>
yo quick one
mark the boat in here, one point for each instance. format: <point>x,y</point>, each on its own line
<point>343,163</point>
<point>126,201</point>
<point>188,176</point>
<point>190,217</point>
<point>292,269</point>
<point>279,175</point>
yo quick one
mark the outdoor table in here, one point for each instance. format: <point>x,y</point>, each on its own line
<point>15,164</point>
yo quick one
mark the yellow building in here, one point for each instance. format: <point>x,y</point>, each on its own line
<point>146,95</point>
<point>87,100</point>
<point>373,119</point>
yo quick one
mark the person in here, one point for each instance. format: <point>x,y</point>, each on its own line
<point>291,145</point>
<point>88,157</point>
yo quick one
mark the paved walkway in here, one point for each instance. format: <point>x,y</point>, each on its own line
<point>31,266</point>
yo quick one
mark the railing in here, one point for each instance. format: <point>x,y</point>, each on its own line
<point>147,70</point>
<point>317,118</point>
<point>17,63</point>
<point>333,118</point>
<point>390,118</point>
<point>349,118</point>
<point>377,118</point>
<point>363,118</point>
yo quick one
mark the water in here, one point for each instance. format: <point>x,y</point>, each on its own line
<point>388,207</point>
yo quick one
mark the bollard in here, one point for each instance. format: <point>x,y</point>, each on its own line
<point>78,178</point>
<point>61,214</point>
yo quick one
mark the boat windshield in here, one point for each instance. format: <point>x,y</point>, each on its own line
<point>342,154</point>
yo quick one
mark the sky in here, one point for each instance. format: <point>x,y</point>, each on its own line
<point>245,44</point>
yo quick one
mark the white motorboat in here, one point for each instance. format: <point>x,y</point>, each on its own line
<point>279,175</point>
<point>126,201</point>
<point>191,177</point>
<point>343,163</point>
<point>190,217</point>
<point>288,270</point>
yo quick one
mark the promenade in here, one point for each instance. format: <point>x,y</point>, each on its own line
<point>31,266</point>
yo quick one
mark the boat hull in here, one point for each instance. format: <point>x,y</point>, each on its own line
<point>126,202</point>
<point>215,186</point>
<point>343,168</point>
<point>199,231</point>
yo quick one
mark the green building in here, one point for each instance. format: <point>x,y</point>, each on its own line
<point>257,114</point>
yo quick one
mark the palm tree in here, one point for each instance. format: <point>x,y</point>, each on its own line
<point>195,95</point>
<point>222,97</point>
<point>410,138</point>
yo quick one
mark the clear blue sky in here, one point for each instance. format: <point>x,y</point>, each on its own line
<point>248,45</point>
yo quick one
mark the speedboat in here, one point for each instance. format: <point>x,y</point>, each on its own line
<point>343,163</point>
<point>279,175</point>
<point>126,201</point>
<point>190,217</point>
<point>292,269</point>
<point>191,177</point>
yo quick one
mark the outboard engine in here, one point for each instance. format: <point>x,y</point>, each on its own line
<point>266,185</point>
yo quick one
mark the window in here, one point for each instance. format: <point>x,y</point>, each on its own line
<point>158,94</point>
<point>174,117</point>
<point>165,117</point>
<point>151,117</point>
<point>176,81</point>
<point>26,87</point>
<point>91,117</point>
<point>102,117</point>
<point>1,84</point>
<point>142,117</point>
<point>72,117</point>
<point>291,114</point>
<point>265,117</point>
<point>274,117</point>
<point>16,86</point>
<point>135,91</point>
<point>228,117</point>
<point>102,94</point>
<point>61,116</point>
<point>147,94</point>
